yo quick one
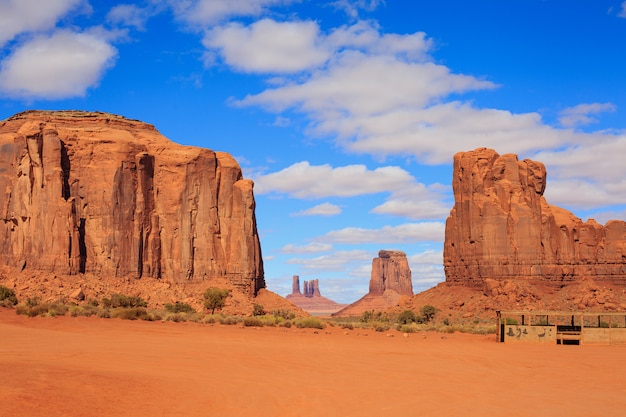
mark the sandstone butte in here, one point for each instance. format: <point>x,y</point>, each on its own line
<point>390,283</point>
<point>507,248</point>
<point>311,300</point>
<point>501,227</point>
<point>95,194</point>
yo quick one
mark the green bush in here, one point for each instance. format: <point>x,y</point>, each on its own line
<point>406,317</point>
<point>215,298</point>
<point>428,313</point>
<point>285,314</point>
<point>258,310</point>
<point>130,313</point>
<point>310,322</point>
<point>179,307</point>
<point>123,301</point>
<point>7,297</point>
<point>253,322</point>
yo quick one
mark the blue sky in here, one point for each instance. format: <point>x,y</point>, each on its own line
<point>346,113</point>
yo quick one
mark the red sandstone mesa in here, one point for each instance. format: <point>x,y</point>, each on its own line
<point>390,280</point>
<point>501,227</point>
<point>97,193</point>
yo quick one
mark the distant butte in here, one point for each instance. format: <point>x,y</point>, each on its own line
<point>390,281</point>
<point>311,300</point>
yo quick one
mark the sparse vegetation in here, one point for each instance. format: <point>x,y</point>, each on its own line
<point>123,301</point>
<point>309,322</point>
<point>258,310</point>
<point>215,298</point>
<point>179,307</point>
<point>7,297</point>
<point>428,313</point>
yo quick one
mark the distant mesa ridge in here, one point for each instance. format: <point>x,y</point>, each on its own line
<point>89,192</point>
<point>501,227</point>
<point>311,300</point>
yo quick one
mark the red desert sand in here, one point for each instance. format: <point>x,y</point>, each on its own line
<point>68,366</point>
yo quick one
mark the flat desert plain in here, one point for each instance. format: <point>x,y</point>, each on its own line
<point>69,366</point>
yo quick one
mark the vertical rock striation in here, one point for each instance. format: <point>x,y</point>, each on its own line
<point>97,193</point>
<point>501,227</point>
<point>390,280</point>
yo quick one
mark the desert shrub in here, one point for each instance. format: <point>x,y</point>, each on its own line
<point>7,297</point>
<point>258,310</point>
<point>446,321</point>
<point>57,309</point>
<point>380,327</point>
<point>286,323</point>
<point>179,307</point>
<point>209,319</point>
<point>87,310</point>
<point>253,322</point>
<point>175,317</point>
<point>406,317</point>
<point>229,320</point>
<point>510,321</point>
<point>408,328</point>
<point>130,313</point>
<point>428,313</point>
<point>123,301</point>
<point>285,314</point>
<point>310,322</point>
<point>215,298</point>
<point>348,326</point>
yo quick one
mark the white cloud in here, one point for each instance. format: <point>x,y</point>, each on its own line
<point>622,12</point>
<point>324,209</point>
<point>337,261</point>
<point>407,198</point>
<point>268,46</point>
<point>129,15</point>
<point>581,114</point>
<point>404,233</point>
<point>210,12</point>
<point>62,65</point>
<point>21,16</point>
<point>314,247</point>
<point>303,180</point>
<point>352,7</point>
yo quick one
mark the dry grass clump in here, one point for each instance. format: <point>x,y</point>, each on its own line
<point>7,297</point>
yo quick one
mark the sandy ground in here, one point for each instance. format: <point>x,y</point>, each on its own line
<point>108,367</point>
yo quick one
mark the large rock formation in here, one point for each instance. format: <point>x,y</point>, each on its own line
<point>501,227</point>
<point>390,280</point>
<point>100,194</point>
<point>311,300</point>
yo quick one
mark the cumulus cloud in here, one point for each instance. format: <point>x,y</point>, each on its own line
<point>62,65</point>
<point>129,15</point>
<point>622,12</point>
<point>404,233</point>
<point>352,7</point>
<point>337,261</point>
<point>21,16</point>
<point>582,114</point>
<point>314,247</point>
<point>324,209</point>
<point>268,46</point>
<point>210,12</point>
<point>407,197</point>
<point>303,180</point>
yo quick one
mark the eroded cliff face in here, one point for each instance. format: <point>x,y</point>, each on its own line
<point>501,227</point>
<point>97,193</point>
<point>390,271</point>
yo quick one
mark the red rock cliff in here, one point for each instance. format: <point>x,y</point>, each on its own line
<point>93,192</point>
<point>501,227</point>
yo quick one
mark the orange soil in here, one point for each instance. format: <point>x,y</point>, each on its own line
<point>108,367</point>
